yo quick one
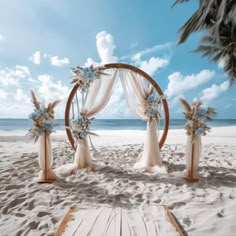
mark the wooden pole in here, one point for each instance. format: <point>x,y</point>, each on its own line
<point>45,156</point>
<point>192,162</point>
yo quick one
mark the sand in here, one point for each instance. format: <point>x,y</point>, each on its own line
<point>203,209</point>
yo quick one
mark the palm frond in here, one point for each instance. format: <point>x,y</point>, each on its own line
<point>217,19</point>
<point>179,1</point>
<point>230,68</point>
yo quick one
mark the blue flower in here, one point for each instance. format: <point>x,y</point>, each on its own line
<point>151,98</point>
<point>80,120</point>
<point>199,131</point>
<point>83,134</point>
<point>151,112</point>
<point>89,73</point>
<point>32,115</point>
<point>41,112</point>
<point>49,127</point>
<point>202,113</point>
<point>40,133</point>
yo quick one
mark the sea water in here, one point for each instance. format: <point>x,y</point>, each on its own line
<point>109,124</point>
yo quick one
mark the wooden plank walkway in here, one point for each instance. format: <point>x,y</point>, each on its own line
<point>149,220</point>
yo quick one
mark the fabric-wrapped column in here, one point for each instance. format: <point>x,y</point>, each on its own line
<point>46,160</point>
<point>82,157</point>
<point>193,153</point>
<point>151,150</point>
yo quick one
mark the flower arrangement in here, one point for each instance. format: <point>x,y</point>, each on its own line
<point>152,104</point>
<point>84,76</point>
<point>42,118</point>
<point>80,127</point>
<point>197,117</point>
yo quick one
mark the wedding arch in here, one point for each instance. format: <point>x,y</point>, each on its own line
<point>126,72</point>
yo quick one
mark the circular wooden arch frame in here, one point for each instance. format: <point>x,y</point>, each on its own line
<point>134,69</point>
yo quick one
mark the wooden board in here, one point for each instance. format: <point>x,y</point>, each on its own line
<point>151,220</point>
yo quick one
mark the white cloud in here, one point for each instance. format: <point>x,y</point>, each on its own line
<point>105,47</point>
<point>2,38</point>
<point>90,62</point>
<point>179,83</point>
<point>36,58</point>
<point>20,96</point>
<point>228,106</point>
<point>55,61</point>
<point>3,94</point>
<point>214,91</point>
<point>133,45</point>
<point>11,76</point>
<point>51,90</point>
<point>158,47</point>
<point>153,64</point>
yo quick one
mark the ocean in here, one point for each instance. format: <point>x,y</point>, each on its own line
<point>109,124</point>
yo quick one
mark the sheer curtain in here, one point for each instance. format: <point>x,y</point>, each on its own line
<point>97,98</point>
<point>93,102</point>
<point>136,90</point>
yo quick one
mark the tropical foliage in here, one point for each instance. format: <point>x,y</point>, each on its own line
<point>217,19</point>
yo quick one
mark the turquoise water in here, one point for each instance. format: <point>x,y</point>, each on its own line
<point>112,124</point>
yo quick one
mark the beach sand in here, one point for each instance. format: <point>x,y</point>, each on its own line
<point>203,209</point>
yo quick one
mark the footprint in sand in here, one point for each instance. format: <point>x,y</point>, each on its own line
<point>43,213</point>
<point>176,205</point>
<point>157,201</point>
<point>14,186</point>
<point>220,213</point>
<point>19,215</point>
<point>12,204</point>
<point>33,224</point>
<point>186,222</point>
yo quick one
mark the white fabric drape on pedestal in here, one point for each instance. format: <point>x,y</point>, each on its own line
<point>46,159</point>
<point>98,96</point>
<point>196,155</point>
<point>136,90</point>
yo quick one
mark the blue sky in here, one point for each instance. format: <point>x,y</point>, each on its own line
<point>41,40</point>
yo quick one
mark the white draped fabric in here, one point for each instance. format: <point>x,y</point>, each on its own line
<point>193,153</point>
<point>45,159</point>
<point>136,91</point>
<point>98,96</point>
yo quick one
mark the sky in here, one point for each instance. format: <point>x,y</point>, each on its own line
<point>41,40</point>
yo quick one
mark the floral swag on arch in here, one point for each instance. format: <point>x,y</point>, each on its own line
<point>95,85</point>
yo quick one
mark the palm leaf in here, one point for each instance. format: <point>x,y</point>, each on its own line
<point>217,19</point>
<point>230,68</point>
<point>179,1</point>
